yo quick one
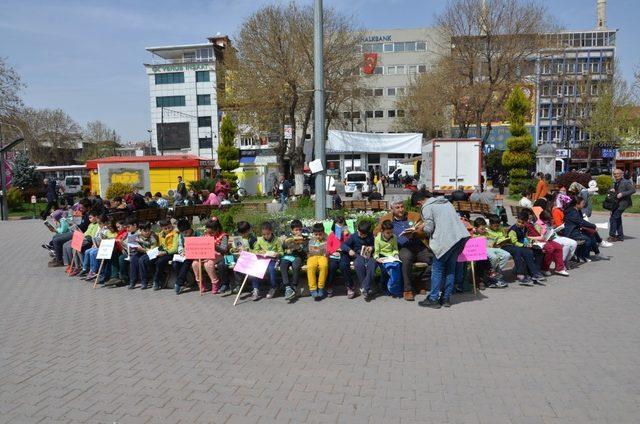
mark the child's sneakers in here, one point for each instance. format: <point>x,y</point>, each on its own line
<point>255,295</point>
<point>321,295</point>
<point>81,272</point>
<point>350,294</point>
<point>313,293</point>
<point>271,293</point>
<point>90,276</point>
<point>289,294</point>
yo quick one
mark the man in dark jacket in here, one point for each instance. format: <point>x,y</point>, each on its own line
<point>52,196</point>
<point>623,189</point>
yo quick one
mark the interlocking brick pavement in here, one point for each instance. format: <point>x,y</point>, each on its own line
<point>564,353</point>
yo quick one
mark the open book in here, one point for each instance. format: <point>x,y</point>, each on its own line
<point>388,259</point>
<point>317,249</point>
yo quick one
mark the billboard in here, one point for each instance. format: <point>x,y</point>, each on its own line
<point>134,173</point>
<point>173,136</point>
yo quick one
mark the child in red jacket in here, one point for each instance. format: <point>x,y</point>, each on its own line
<point>337,259</point>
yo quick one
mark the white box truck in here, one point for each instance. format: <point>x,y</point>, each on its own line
<point>449,163</point>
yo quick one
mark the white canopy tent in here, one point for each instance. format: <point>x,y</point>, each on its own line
<point>347,142</point>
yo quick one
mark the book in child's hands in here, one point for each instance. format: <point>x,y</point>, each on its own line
<point>238,243</point>
<point>366,251</point>
<point>317,249</point>
<point>388,259</point>
<point>50,226</point>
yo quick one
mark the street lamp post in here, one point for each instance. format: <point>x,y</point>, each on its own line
<point>318,116</point>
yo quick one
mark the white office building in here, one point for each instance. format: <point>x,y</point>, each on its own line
<point>182,97</point>
<point>394,57</point>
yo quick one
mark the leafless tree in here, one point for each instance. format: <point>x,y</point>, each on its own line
<point>10,86</point>
<point>489,45</point>
<point>273,82</point>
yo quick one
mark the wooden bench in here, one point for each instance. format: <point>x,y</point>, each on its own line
<point>118,216</point>
<point>365,205</point>
<point>152,215</point>
<point>473,207</point>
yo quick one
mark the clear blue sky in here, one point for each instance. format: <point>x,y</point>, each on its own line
<point>86,56</point>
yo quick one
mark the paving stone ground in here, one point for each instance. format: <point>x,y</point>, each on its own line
<point>564,353</point>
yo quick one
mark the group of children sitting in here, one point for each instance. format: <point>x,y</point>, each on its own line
<point>142,254</point>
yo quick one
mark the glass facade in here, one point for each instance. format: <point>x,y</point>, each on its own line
<point>202,76</point>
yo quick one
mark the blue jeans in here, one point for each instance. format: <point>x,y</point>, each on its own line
<point>138,268</point>
<point>343,265</point>
<point>365,271</point>
<point>615,223</point>
<point>283,200</point>
<point>271,275</point>
<point>181,269</point>
<point>90,261</point>
<point>444,271</point>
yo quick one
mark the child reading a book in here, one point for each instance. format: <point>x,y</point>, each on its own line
<point>295,248</point>
<point>496,256</point>
<point>180,264</point>
<point>359,247</point>
<point>243,241</point>
<point>337,258</point>
<point>168,241</point>
<point>139,261</point>
<point>543,237</point>
<point>317,262</point>
<point>521,248</point>
<point>268,246</point>
<point>386,251</point>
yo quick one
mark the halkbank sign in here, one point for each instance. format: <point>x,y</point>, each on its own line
<point>178,68</point>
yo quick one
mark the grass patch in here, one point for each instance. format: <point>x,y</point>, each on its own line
<point>26,210</point>
<point>596,204</point>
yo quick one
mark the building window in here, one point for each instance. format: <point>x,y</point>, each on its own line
<point>368,114</point>
<point>594,89</point>
<point>368,92</point>
<point>559,90</point>
<point>359,48</point>
<point>595,67</point>
<point>543,135</point>
<point>400,69</point>
<point>398,47</point>
<point>203,55</point>
<point>379,114</point>
<point>346,115</point>
<point>202,76</point>
<point>376,47</point>
<point>571,68</point>
<point>555,135</point>
<point>410,46</point>
<point>170,101</point>
<point>391,91</point>
<point>205,143</point>
<point>569,90</point>
<point>544,112</point>
<point>378,70</point>
<point>421,46</point>
<point>545,90</point>
<point>378,92</point>
<point>355,114</point>
<point>400,91</point>
<point>388,47</point>
<point>170,78</point>
<point>391,70</point>
<point>400,113</point>
<point>391,113</point>
<point>422,69</point>
<point>546,68</point>
<point>204,99</point>
<point>204,121</point>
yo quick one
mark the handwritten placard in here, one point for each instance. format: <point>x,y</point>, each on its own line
<point>106,249</point>
<point>199,248</point>
<point>474,250</point>
<point>252,265</point>
<point>76,240</point>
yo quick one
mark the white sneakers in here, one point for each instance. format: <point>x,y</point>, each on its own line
<point>563,272</point>
<point>606,244</point>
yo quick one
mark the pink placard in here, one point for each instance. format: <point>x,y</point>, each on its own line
<point>474,250</point>
<point>250,264</point>
<point>76,240</point>
<point>199,248</point>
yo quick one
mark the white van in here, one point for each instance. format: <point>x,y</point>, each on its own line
<point>72,184</point>
<point>357,179</point>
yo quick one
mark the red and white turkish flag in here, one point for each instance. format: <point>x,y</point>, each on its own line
<point>370,62</point>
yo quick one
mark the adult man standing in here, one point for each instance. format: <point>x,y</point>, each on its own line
<point>52,196</point>
<point>623,189</point>
<point>182,188</point>
<point>413,247</point>
<point>283,189</point>
<point>447,237</point>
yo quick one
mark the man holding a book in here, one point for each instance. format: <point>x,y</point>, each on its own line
<point>412,245</point>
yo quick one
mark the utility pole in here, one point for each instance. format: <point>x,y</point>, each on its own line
<point>4,208</point>
<point>161,141</point>
<point>318,115</point>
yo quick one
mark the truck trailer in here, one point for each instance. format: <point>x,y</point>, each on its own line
<point>451,163</point>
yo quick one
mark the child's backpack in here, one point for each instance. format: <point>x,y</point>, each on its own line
<point>394,284</point>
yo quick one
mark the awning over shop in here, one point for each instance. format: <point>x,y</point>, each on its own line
<point>248,159</point>
<point>347,142</point>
